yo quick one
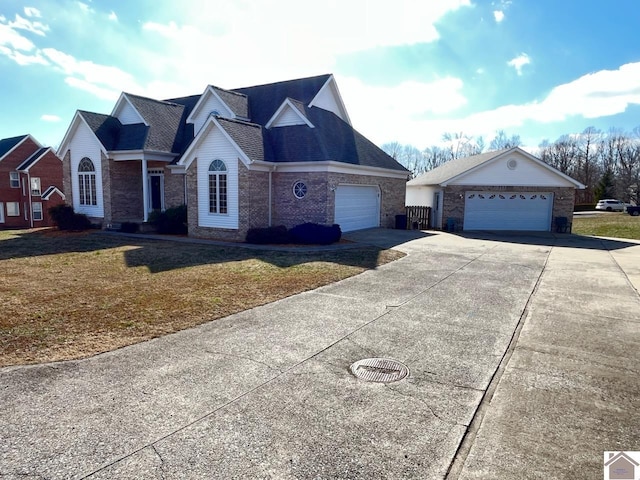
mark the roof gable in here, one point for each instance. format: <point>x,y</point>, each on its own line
<point>291,112</point>
<point>33,158</point>
<point>126,112</point>
<point>46,195</point>
<point>215,100</point>
<point>95,122</point>
<point>329,98</point>
<point>513,167</point>
<point>7,145</point>
<point>265,99</point>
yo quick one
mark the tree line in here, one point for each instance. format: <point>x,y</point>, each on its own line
<point>608,163</point>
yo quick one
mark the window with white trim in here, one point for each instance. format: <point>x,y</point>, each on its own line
<point>35,186</point>
<point>14,179</point>
<point>87,182</point>
<point>1,212</point>
<point>37,210</point>
<point>218,187</point>
<point>13,209</point>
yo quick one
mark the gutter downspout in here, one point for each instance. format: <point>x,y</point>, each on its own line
<point>30,200</point>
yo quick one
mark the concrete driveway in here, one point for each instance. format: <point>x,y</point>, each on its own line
<point>523,355</point>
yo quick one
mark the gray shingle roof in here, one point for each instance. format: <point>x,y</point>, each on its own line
<point>163,118</point>
<point>248,136</point>
<point>332,139</point>
<point>237,102</point>
<point>33,158</point>
<point>264,100</point>
<point>7,144</point>
<point>455,167</point>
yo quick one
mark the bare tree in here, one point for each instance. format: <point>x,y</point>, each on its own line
<point>501,141</point>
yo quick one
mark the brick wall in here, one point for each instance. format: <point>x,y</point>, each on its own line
<point>126,191</point>
<point>8,194</point>
<point>453,202</point>
<point>173,189</point>
<point>291,211</point>
<point>105,167</point>
<point>66,178</point>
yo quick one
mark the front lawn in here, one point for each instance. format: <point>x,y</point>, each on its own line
<point>607,224</point>
<point>71,295</point>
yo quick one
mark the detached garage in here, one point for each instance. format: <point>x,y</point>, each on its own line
<point>503,190</point>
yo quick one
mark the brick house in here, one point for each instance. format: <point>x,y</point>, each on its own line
<point>508,189</point>
<point>30,183</point>
<point>276,154</point>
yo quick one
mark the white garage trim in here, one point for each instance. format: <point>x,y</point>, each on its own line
<point>357,207</point>
<point>508,211</point>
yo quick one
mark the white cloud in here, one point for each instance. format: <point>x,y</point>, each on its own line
<point>22,59</point>
<point>32,12</point>
<point>519,62</point>
<point>50,118</point>
<point>599,94</point>
<point>9,37</point>
<point>113,16</point>
<point>20,23</point>
<point>97,91</point>
<point>84,7</point>
<point>498,15</point>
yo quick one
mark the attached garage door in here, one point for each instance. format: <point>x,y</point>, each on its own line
<point>357,207</point>
<point>508,211</point>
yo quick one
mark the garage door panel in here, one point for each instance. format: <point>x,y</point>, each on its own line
<point>508,211</point>
<point>357,207</point>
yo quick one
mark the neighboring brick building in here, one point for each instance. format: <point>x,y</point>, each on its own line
<point>30,183</point>
<point>276,154</point>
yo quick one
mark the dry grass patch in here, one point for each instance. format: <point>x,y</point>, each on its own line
<point>72,295</point>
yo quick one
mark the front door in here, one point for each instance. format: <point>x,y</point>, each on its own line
<point>156,187</point>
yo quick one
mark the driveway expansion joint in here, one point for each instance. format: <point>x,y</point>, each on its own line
<point>421,401</point>
<point>243,357</point>
<point>464,447</point>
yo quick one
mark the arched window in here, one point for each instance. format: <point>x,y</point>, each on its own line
<point>217,187</point>
<point>87,182</point>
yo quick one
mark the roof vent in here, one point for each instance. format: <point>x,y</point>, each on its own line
<point>214,113</point>
<point>512,163</point>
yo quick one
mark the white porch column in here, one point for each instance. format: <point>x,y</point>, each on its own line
<point>145,188</point>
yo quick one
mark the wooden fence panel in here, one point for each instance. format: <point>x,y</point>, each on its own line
<point>418,217</point>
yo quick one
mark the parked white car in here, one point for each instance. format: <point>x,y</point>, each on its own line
<point>610,205</point>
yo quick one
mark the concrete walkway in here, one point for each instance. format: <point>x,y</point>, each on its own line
<point>540,332</point>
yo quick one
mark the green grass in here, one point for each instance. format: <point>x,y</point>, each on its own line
<point>608,224</point>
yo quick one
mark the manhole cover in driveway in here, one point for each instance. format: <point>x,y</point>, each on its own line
<point>383,370</point>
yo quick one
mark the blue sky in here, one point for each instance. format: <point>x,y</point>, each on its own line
<point>408,71</point>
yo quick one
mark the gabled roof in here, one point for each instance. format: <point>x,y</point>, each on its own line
<point>238,103</point>
<point>164,120</point>
<point>8,144</point>
<point>33,158</point>
<point>248,136</point>
<point>453,169</point>
<point>46,195</point>
<point>105,127</point>
<point>294,105</point>
<point>264,100</point>
<point>621,455</point>
<point>333,139</point>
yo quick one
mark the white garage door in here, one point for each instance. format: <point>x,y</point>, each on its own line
<point>357,207</point>
<point>508,211</point>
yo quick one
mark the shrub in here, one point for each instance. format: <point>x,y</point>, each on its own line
<point>129,227</point>
<point>65,218</point>
<point>172,221</point>
<point>314,233</point>
<point>583,207</point>
<point>269,235</point>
